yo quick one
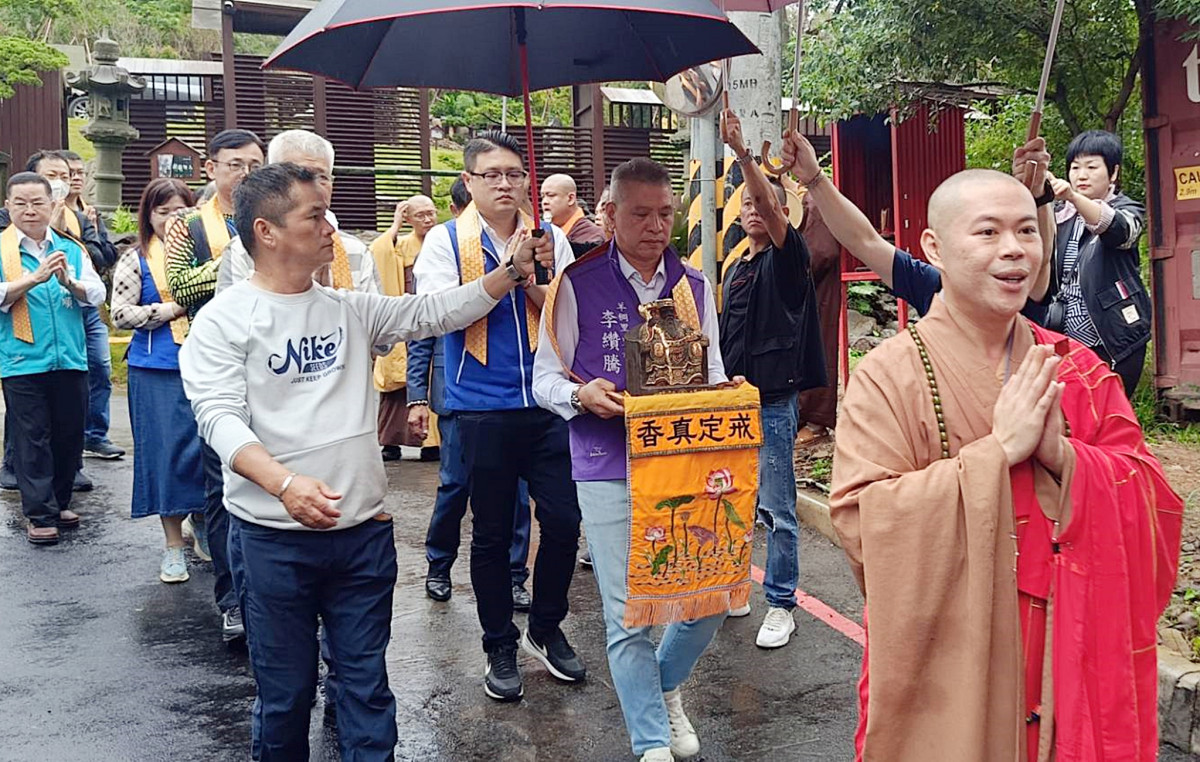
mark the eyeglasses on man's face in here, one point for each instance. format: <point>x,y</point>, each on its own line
<point>237,166</point>
<point>37,204</point>
<point>494,178</point>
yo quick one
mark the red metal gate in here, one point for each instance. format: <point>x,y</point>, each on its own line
<point>889,169</point>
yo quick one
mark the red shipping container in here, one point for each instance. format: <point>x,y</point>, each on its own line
<point>1171,98</point>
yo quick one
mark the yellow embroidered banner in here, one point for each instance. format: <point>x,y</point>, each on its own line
<point>693,484</point>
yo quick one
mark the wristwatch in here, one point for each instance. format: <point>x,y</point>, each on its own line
<point>575,403</point>
<point>514,274</point>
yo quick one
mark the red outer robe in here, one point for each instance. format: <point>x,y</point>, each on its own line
<point>1109,576</point>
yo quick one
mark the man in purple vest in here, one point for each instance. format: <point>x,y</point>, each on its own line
<point>596,304</point>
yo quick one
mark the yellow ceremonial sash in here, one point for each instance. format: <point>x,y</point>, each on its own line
<point>156,259</point>
<point>570,224</point>
<point>215,229</point>
<point>343,279</point>
<point>693,485</point>
<point>71,223</point>
<point>471,258</point>
<point>10,258</point>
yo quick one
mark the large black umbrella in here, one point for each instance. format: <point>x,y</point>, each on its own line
<point>507,47</point>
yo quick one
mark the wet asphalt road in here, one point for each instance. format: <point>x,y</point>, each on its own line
<point>101,661</point>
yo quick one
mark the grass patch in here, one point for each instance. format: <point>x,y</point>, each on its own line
<point>77,142</point>
<point>120,372</point>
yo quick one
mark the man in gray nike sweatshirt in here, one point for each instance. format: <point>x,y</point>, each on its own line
<point>278,370</point>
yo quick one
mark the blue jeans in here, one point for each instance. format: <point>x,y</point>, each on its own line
<point>99,360</point>
<point>640,673</point>
<point>445,525</point>
<point>777,501</point>
<point>288,578</point>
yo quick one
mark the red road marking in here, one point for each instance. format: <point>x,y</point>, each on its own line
<point>822,612</point>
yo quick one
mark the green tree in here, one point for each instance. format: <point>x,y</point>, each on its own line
<point>20,61</point>
<point>867,55</point>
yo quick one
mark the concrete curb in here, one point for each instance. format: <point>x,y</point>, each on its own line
<point>1178,678</point>
<point>812,509</point>
<point>1178,707</point>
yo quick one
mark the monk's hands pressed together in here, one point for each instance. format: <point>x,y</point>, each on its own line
<point>1019,418</point>
<point>601,398</point>
<point>307,500</point>
<point>1052,450</point>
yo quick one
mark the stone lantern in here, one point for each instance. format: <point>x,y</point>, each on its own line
<point>109,88</point>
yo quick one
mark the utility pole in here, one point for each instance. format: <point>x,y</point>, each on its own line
<point>755,81</point>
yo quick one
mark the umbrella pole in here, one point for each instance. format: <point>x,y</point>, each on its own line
<point>1035,120</point>
<point>542,275</point>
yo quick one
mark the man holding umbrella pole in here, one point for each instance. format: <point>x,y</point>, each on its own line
<point>505,435</point>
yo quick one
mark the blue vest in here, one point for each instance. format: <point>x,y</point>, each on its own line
<point>57,319</point>
<point>506,382</point>
<point>152,349</point>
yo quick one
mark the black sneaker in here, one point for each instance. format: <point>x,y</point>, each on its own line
<point>522,600</point>
<point>558,656</point>
<point>104,450</point>
<point>8,480</point>
<point>231,625</point>
<point>502,681</point>
<point>83,482</point>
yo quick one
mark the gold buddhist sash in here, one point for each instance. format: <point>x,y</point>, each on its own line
<point>343,279</point>
<point>693,485</point>
<point>471,259</point>
<point>71,223</point>
<point>10,257</point>
<point>570,224</point>
<point>215,228</point>
<point>156,259</point>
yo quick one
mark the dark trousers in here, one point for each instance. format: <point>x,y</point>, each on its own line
<point>501,447</point>
<point>445,525</point>
<point>287,579</point>
<point>45,414</point>
<point>216,522</point>
<point>1129,369</point>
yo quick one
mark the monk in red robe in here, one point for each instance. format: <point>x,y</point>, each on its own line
<point>1014,538</point>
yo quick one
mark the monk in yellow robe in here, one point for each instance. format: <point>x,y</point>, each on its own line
<point>395,256</point>
<point>1014,538</point>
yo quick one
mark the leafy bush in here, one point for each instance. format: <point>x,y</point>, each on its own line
<point>122,221</point>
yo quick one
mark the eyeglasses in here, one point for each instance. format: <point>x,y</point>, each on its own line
<point>426,215</point>
<point>515,177</point>
<point>240,166</point>
<point>20,206</point>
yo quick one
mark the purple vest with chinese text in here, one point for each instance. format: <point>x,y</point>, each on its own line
<point>607,310</point>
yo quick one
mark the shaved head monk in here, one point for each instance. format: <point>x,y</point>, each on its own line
<point>560,200</point>
<point>1014,538</point>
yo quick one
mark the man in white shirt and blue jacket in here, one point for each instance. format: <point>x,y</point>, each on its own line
<point>47,280</point>
<point>278,372</point>
<point>505,435</point>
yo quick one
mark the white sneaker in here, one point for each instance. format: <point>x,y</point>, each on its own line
<point>777,628</point>
<point>740,611</point>
<point>684,741</point>
<point>658,754</point>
